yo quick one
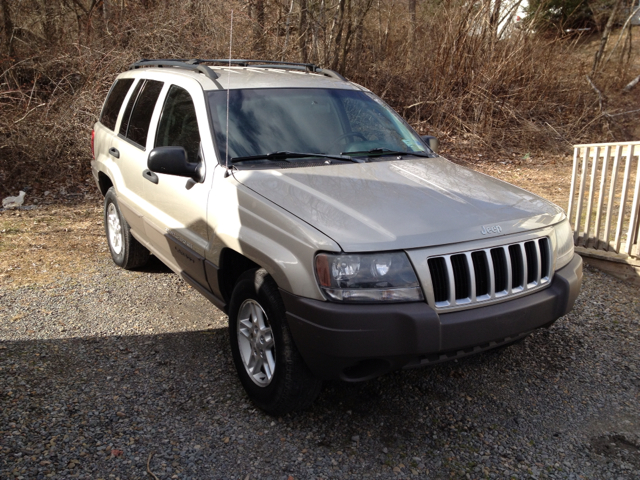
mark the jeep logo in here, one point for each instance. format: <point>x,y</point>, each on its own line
<point>486,230</point>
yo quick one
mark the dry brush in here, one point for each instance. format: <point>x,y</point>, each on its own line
<point>446,66</point>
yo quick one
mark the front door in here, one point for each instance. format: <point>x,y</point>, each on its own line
<point>175,222</point>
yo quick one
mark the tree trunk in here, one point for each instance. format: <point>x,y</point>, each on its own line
<point>605,36</point>
<point>494,18</point>
<point>7,27</point>
<point>286,30</point>
<point>258,28</point>
<point>338,36</point>
<point>106,15</point>
<point>47,13</point>
<point>355,23</point>
<point>302,32</point>
<point>412,14</point>
<point>346,44</point>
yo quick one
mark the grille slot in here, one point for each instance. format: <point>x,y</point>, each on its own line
<point>545,264</point>
<point>499,260</point>
<point>439,279</point>
<point>467,278</point>
<point>517,267</point>
<point>461,276</point>
<point>481,270</point>
<point>532,262</point>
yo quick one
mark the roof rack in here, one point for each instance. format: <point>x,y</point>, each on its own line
<point>196,64</point>
<point>193,65</point>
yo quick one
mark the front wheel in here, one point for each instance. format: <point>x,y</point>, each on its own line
<point>270,367</point>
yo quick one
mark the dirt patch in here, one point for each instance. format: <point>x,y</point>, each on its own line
<point>44,244</point>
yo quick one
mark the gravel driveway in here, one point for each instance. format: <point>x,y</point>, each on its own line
<point>101,370</point>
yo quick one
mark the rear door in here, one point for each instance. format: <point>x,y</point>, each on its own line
<point>130,150</point>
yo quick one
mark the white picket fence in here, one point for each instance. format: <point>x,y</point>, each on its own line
<point>610,220</point>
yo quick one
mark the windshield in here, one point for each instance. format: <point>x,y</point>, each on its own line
<point>316,121</point>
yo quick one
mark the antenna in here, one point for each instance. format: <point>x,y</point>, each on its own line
<point>226,161</point>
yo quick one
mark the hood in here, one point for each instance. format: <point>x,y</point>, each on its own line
<point>401,204</point>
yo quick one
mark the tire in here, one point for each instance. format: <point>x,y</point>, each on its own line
<point>125,250</point>
<point>269,365</point>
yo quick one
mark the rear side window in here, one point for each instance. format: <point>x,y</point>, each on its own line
<point>114,101</point>
<point>139,111</point>
<point>127,111</point>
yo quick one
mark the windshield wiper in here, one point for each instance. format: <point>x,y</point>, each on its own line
<point>277,156</point>
<point>386,151</point>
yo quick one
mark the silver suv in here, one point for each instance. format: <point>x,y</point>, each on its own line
<point>338,242</point>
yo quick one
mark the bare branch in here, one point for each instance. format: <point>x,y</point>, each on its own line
<point>601,98</point>
<point>605,36</point>
<point>626,24</point>
<point>632,84</point>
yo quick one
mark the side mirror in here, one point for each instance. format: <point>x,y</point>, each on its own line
<point>173,161</point>
<point>432,142</point>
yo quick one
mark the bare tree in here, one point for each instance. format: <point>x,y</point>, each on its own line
<point>303,31</point>
<point>336,33</point>
<point>494,16</point>
<point>7,27</point>
<point>412,14</point>
<point>605,36</point>
<point>258,28</point>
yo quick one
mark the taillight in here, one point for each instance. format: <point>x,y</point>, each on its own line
<point>93,136</point>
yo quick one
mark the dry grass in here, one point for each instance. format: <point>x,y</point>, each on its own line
<point>41,245</point>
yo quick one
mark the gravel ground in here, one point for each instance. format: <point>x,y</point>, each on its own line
<point>98,371</point>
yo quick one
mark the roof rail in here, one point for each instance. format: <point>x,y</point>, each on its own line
<point>193,65</point>
<point>196,64</point>
<point>331,73</point>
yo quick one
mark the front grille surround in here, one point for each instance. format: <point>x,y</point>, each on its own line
<point>488,275</point>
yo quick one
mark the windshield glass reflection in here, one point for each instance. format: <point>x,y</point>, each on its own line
<point>326,121</point>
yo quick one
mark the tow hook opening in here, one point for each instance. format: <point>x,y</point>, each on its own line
<point>366,370</point>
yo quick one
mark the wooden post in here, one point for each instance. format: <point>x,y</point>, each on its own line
<point>574,175</point>
<point>623,198</point>
<point>592,185</point>
<point>612,193</point>
<point>583,181</point>
<point>603,181</point>
<point>632,235</point>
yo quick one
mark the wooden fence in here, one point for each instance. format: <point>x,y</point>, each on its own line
<point>604,202</point>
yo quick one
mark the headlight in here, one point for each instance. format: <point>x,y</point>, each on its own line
<point>564,244</point>
<point>377,277</point>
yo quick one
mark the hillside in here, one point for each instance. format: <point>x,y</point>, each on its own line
<point>511,96</point>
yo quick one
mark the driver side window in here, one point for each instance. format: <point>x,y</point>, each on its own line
<point>178,124</point>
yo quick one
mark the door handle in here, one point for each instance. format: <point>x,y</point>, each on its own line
<point>114,152</point>
<point>149,175</point>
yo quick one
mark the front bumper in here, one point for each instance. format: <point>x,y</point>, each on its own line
<point>358,342</point>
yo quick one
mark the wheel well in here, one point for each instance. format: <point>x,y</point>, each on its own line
<point>104,182</point>
<point>232,265</point>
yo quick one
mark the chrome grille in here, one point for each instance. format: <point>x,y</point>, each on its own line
<point>467,278</point>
